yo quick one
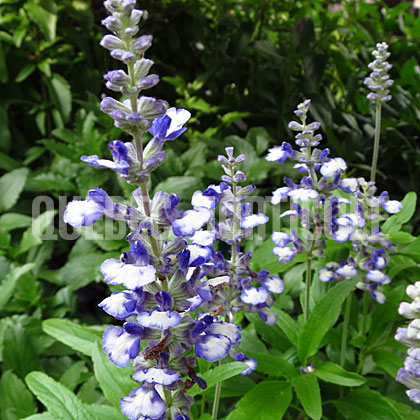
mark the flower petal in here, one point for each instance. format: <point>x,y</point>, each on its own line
<point>143,403</point>
<point>158,319</point>
<point>82,213</point>
<point>212,347</point>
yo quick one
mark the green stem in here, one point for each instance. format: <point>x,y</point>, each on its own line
<point>307,287</point>
<point>217,394</point>
<point>376,141</point>
<point>363,329</point>
<point>146,206</point>
<point>345,333</point>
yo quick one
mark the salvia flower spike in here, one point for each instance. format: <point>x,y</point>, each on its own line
<point>170,269</point>
<point>330,205</point>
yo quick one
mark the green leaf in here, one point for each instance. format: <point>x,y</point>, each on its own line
<point>11,221</point>
<point>309,394</point>
<point>322,318</point>
<point>60,402</point>
<point>22,341</point>
<point>367,405</point>
<point>405,411</point>
<point>81,270</point>
<point>61,95</point>
<point>7,287</point>
<point>219,374</point>
<point>11,185</point>
<point>273,365</point>
<point>33,235</point>
<point>289,326</point>
<point>44,14</point>
<point>231,117</point>
<point>105,412</point>
<point>114,381</point>
<point>76,336</point>
<point>182,185</point>
<point>335,374</point>
<point>73,376</point>
<point>43,416</point>
<point>262,401</point>
<point>388,361</point>
<point>394,223</point>
<point>25,72</point>
<point>16,401</point>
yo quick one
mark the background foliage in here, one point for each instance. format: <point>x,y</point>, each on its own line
<point>240,68</point>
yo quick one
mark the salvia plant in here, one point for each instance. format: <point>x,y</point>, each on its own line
<point>187,278</point>
<point>171,268</point>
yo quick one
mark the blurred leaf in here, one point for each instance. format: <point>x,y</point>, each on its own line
<point>61,95</point>
<point>25,72</point>
<point>8,284</point>
<point>309,394</point>
<point>16,401</point>
<point>44,14</point>
<point>11,185</point>
<point>33,235</point>
<point>60,402</point>
<point>11,221</point>
<point>20,351</point>
<point>181,185</point>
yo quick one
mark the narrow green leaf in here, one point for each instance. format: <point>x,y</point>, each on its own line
<point>309,394</point>
<point>60,402</point>
<point>322,318</point>
<point>25,72</point>
<point>78,337</point>
<point>219,374</point>
<point>16,401</point>
<point>335,374</point>
<point>11,185</point>
<point>61,95</point>
<point>114,381</point>
<point>262,401</point>
<point>367,405</point>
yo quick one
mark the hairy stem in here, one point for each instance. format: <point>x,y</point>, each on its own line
<point>217,394</point>
<point>376,141</point>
